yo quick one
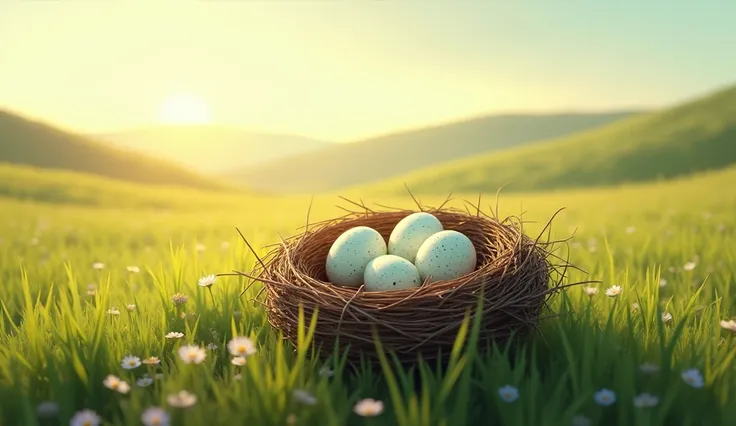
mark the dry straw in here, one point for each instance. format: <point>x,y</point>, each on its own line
<point>514,271</point>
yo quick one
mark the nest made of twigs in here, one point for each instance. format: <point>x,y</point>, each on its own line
<point>513,269</point>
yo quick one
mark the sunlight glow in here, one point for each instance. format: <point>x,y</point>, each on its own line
<point>185,108</point>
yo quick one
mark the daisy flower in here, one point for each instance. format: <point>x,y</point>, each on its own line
<point>590,291</point>
<point>604,397</point>
<point>179,299</point>
<point>174,335</point>
<point>155,416</point>
<point>508,393</point>
<point>304,397</point>
<point>613,291</point>
<point>368,407</point>
<point>241,346</point>
<point>144,381</point>
<point>181,399</point>
<point>113,311</point>
<point>114,383</point>
<point>645,400</point>
<point>192,354</point>
<point>130,362</point>
<point>689,266</point>
<point>729,325</point>
<point>238,360</point>
<point>131,307</point>
<point>237,377</point>
<point>693,377</point>
<point>152,360</point>
<point>207,281</point>
<point>85,418</point>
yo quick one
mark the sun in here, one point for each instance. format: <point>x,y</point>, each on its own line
<point>185,108</point>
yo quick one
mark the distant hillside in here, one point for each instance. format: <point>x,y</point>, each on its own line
<point>212,149</point>
<point>23,141</point>
<point>695,136</point>
<point>370,160</point>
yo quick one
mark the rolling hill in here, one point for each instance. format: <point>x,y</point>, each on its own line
<point>211,149</point>
<point>32,143</point>
<point>375,159</point>
<point>694,136</point>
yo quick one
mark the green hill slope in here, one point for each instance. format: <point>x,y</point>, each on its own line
<point>27,142</point>
<point>375,159</point>
<point>695,136</point>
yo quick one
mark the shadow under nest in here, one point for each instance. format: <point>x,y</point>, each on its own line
<point>513,276</point>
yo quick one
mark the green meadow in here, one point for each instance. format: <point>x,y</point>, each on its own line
<point>95,272</point>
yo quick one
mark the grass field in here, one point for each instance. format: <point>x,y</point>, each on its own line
<point>69,272</point>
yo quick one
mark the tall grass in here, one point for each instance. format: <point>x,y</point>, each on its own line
<point>60,338</point>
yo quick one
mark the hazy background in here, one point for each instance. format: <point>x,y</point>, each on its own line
<point>264,95</point>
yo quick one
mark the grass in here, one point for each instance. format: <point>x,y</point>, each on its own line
<point>692,137</point>
<point>36,144</point>
<point>58,343</point>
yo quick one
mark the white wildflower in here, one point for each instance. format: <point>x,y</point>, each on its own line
<point>130,307</point>
<point>179,299</point>
<point>662,282</point>
<point>181,399</point>
<point>613,291</point>
<point>645,400</point>
<point>151,360</point>
<point>144,381</point>
<point>114,383</point>
<point>693,377</point>
<point>689,266</point>
<point>368,407</point>
<point>604,397</point>
<point>155,416</point>
<point>130,362</point>
<point>98,265</point>
<point>211,346</point>
<point>174,335</point>
<point>590,291</point>
<point>238,360</point>
<point>192,354</point>
<point>113,311</point>
<point>133,269</point>
<point>85,418</point>
<point>207,281</point>
<point>241,346</point>
<point>508,393</point>
<point>729,325</point>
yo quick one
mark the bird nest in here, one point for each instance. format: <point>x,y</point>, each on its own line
<point>514,276</point>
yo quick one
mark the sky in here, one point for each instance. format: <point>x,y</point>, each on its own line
<point>342,70</point>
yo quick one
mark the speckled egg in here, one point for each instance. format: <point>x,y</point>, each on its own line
<point>445,255</point>
<point>390,272</point>
<point>350,253</point>
<point>409,234</point>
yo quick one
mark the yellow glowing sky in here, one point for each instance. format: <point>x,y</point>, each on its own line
<point>341,70</point>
